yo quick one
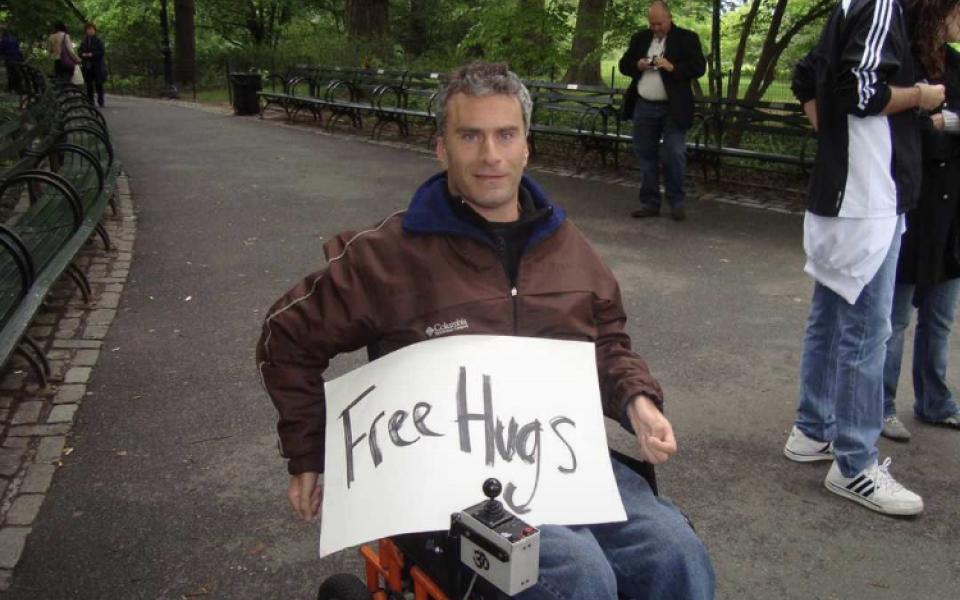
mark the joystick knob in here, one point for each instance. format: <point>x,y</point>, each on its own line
<point>492,508</point>
<point>492,488</point>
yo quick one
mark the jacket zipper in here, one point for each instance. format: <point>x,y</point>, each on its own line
<point>513,295</point>
<point>500,247</point>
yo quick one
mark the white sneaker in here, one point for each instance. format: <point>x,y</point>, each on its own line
<point>894,429</point>
<point>875,488</point>
<point>800,448</point>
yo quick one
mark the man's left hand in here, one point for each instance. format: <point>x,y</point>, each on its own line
<point>666,65</point>
<point>653,430</point>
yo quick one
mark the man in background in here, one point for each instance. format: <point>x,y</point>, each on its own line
<point>662,61</point>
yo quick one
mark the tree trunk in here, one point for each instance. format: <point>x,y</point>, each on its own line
<point>587,42</point>
<point>715,65</point>
<point>768,58</point>
<point>417,38</point>
<point>76,11</point>
<point>733,85</point>
<point>773,48</point>
<point>367,19</point>
<point>254,20</point>
<point>185,44</point>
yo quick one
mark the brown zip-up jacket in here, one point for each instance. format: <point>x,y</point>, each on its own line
<point>417,276</point>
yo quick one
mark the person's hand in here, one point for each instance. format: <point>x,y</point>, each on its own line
<point>644,64</point>
<point>810,109</point>
<point>931,96</point>
<point>305,493</point>
<point>666,65</point>
<point>938,122</point>
<point>653,430</point>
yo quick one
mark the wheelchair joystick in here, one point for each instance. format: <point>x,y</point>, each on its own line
<point>497,545</point>
<point>492,509</point>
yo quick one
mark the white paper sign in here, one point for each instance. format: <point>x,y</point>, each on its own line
<point>412,437</point>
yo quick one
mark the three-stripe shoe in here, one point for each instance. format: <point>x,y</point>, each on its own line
<point>800,448</point>
<point>875,488</point>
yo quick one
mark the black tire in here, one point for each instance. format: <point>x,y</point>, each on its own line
<point>343,586</point>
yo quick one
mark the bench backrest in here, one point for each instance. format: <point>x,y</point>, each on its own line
<point>572,105</point>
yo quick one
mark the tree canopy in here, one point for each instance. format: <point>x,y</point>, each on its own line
<point>577,40</point>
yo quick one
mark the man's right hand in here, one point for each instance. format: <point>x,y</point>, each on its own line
<point>305,493</point>
<point>644,64</point>
<point>931,96</point>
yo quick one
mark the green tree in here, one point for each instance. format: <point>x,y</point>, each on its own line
<point>532,41</point>
<point>257,23</point>
<point>130,30</point>
<point>32,20</point>
<point>587,48</point>
<point>767,28</point>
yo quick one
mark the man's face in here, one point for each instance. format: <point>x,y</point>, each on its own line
<point>484,150</point>
<point>90,31</point>
<point>659,20</point>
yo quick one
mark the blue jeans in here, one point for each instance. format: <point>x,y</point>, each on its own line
<point>654,554</point>
<point>936,304</point>
<point>841,369</point>
<point>651,124</point>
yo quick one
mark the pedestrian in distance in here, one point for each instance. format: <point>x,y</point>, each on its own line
<point>662,61</point>
<point>60,49</point>
<point>12,59</point>
<point>928,271</point>
<point>861,92</point>
<point>92,54</point>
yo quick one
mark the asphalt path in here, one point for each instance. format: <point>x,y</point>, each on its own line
<point>175,489</point>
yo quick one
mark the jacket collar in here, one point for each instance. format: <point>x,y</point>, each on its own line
<point>430,212</point>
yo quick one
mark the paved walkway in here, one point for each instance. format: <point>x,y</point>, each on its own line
<point>174,488</point>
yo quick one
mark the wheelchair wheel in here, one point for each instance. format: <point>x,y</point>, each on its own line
<point>343,586</point>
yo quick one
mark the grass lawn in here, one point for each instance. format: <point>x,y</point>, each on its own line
<point>210,96</point>
<point>779,91</point>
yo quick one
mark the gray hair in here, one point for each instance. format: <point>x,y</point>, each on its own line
<point>481,78</point>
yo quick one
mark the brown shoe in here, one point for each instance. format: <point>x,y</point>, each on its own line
<point>645,212</point>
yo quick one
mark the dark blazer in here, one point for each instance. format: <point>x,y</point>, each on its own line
<point>684,51</point>
<point>930,252</point>
<point>95,65</point>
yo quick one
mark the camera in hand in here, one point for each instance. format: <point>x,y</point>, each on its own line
<point>496,545</point>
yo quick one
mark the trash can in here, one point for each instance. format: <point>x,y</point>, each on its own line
<point>245,88</point>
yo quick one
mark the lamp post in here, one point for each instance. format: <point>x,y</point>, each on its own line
<point>169,90</point>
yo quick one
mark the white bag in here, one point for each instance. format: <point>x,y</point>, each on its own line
<point>77,78</point>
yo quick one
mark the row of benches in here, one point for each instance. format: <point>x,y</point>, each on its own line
<point>57,176</point>
<point>762,132</point>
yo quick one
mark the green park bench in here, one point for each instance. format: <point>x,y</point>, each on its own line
<point>584,113</point>
<point>753,132</point>
<point>54,190</point>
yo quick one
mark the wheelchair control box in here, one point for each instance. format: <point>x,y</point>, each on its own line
<point>497,545</point>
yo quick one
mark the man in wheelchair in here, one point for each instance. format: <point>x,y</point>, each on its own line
<point>482,250</point>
